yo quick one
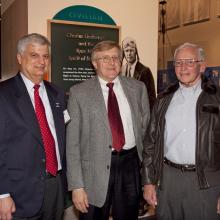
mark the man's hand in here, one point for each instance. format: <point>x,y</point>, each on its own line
<point>150,195</point>
<point>7,207</point>
<point>80,200</point>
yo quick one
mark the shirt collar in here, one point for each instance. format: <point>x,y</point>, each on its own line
<point>29,84</point>
<point>132,66</point>
<point>191,88</point>
<point>103,82</point>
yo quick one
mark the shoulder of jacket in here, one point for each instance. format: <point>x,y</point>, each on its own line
<point>131,81</point>
<point>169,90</point>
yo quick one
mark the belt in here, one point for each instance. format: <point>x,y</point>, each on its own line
<point>124,152</point>
<point>49,176</point>
<point>182,167</point>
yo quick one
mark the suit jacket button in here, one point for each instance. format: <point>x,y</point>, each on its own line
<point>43,160</point>
<point>110,146</point>
<point>108,167</point>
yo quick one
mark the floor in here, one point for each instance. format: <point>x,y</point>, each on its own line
<point>71,214</point>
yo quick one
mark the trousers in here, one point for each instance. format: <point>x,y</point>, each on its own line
<point>180,197</point>
<point>123,189</point>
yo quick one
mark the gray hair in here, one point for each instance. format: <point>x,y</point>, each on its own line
<point>103,46</point>
<point>33,38</point>
<point>201,53</point>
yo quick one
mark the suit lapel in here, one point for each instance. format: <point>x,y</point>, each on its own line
<point>131,96</point>
<point>100,102</point>
<point>26,108</point>
<point>137,71</point>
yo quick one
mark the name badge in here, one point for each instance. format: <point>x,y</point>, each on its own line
<point>66,116</point>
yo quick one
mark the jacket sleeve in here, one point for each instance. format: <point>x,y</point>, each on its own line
<point>145,110</point>
<point>73,157</point>
<point>147,78</point>
<point>4,179</point>
<point>148,169</point>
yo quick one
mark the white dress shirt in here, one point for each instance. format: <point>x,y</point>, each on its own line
<point>129,66</point>
<point>132,68</point>
<point>43,95</point>
<point>124,109</point>
<point>180,128</point>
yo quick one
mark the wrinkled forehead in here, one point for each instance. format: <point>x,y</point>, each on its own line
<point>36,47</point>
<point>187,53</point>
<point>109,52</point>
<point>130,48</point>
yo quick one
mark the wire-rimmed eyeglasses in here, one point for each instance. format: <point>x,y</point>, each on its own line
<point>108,59</point>
<point>187,62</point>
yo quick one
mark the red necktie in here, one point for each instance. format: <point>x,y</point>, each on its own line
<point>48,140</point>
<point>118,137</point>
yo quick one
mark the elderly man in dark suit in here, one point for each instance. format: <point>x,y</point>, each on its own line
<point>32,138</point>
<point>134,68</point>
<point>109,115</point>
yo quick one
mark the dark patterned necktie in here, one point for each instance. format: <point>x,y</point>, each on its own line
<point>118,137</point>
<point>48,140</point>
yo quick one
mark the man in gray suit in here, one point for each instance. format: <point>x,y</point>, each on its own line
<point>104,144</point>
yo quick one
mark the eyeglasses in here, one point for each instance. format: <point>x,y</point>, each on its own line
<point>187,62</point>
<point>108,59</point>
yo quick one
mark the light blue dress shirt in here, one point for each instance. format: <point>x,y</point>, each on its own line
<point>180,126</point>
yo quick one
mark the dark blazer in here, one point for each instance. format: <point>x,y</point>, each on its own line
<point>144,74</point>
<point>22,157</point>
